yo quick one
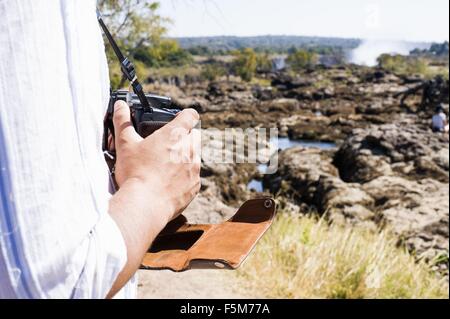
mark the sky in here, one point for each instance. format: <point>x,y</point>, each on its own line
<point>412,20</point>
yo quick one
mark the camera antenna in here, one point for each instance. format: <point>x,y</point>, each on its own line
<point>127,66</point>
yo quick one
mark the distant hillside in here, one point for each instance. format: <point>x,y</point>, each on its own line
<point>273,43</point>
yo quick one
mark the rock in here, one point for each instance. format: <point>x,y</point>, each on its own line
<point>263,94</point>
<point>376,107</point>
<point>413,79</point>
<point>312,127</point>
<point>416,211</point>
<point>201,105</point>
<point>441,159</point>
<point>370,153</point>
<point>286,82</point>
<point>382,186</point>
<point>299,170</point>
<point>344,203</point>
<point>208,208</point>
<point>280,105</point>
<point>323,92</point>
<point>222,88</point>
<point>242,96</point>
<point>428,166</point>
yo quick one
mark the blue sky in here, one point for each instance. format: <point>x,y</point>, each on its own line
<point>414,20</point>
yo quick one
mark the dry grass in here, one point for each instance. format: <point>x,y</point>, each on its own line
<point>302,257</point>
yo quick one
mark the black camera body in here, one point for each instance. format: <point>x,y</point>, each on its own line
<point>145,120</point>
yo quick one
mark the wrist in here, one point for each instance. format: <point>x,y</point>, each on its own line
<point>150,199</point>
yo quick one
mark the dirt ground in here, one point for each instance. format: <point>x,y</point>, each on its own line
<point>194,284</point>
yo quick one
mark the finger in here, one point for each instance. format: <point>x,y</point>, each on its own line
<point>122,122</point>
<point>187,149</point>
<point>196,146</point>
<point>191,147</point>
<point>111,143</point>
<point>186,120</point>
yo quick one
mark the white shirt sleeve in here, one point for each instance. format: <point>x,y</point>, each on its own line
<point>57,239</point>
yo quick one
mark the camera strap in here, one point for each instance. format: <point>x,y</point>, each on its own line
<point>127,67</point>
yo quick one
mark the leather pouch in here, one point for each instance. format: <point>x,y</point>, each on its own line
<point>182,246</point>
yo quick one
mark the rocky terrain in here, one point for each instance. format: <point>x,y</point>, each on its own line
<point>389,170</point>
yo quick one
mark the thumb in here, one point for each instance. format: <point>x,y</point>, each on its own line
<point>123,126</point>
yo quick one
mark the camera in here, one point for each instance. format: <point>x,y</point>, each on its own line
<point>149,112</point>
<point>146,120</point>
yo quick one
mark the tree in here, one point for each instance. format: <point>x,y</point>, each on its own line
<point>263,62</point>
<point>403,65</point>
<point>211,72</point>
<point>139,30</point>
<point>134,22</point>
<point>300,59</point>
<point>245,64</point>
<point>392,63</point>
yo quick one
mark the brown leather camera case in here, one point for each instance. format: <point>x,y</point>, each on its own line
<point>182,246</point>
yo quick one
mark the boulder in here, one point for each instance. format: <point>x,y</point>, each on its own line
<point>370,153</point>
<point>287,82</point>
<point>299,171</point>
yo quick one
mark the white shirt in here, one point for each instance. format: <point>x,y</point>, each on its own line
<point>57,239</point>
<point>439,121</point>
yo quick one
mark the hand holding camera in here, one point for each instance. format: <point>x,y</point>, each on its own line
<point>152,162</point>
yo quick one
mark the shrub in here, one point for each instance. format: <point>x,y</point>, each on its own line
<point>263,62</point>
<point>402,65</point>
<point>163,54</point>
<point>300,59</point>
<point>211,72</point>
<point>245,64</point>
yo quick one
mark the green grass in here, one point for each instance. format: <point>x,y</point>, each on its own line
<point>191,70</point>
<point>302,257</point>
<point>261,82</point>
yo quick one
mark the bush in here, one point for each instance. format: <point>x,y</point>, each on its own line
<point>200,50</point>
<point>402,65</point>
<point>245,64</point>
<point>301,59</point>
<point>263,62</point>
<point>166,53</point>
<point>211,72</point>
<point>302,257</point>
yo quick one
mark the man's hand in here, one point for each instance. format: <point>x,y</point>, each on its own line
<point>158,178</point>
<point>158,162</point>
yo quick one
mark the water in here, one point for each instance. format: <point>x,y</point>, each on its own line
<point>285,143</point>
<point>256,186</point>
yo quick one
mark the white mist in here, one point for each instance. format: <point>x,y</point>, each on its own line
<point>370,49</point>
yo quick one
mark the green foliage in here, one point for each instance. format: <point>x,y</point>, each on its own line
<point>402,65</point>
<point>439,49</point>
<point>301,59</point>
<point>139,30</point>
<point>134,22</point>
<point>436,49</point>
<point>165,53</point>
<point>263,62</point>
<point>212,72</point>
<point>270,44</point>
<point>245,64</point>
<point>200,50</point>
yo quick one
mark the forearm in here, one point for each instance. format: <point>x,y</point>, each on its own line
<point>140,216</point>
<point>153,188</point>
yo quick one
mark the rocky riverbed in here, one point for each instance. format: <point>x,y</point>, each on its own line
<point>388,168</point>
